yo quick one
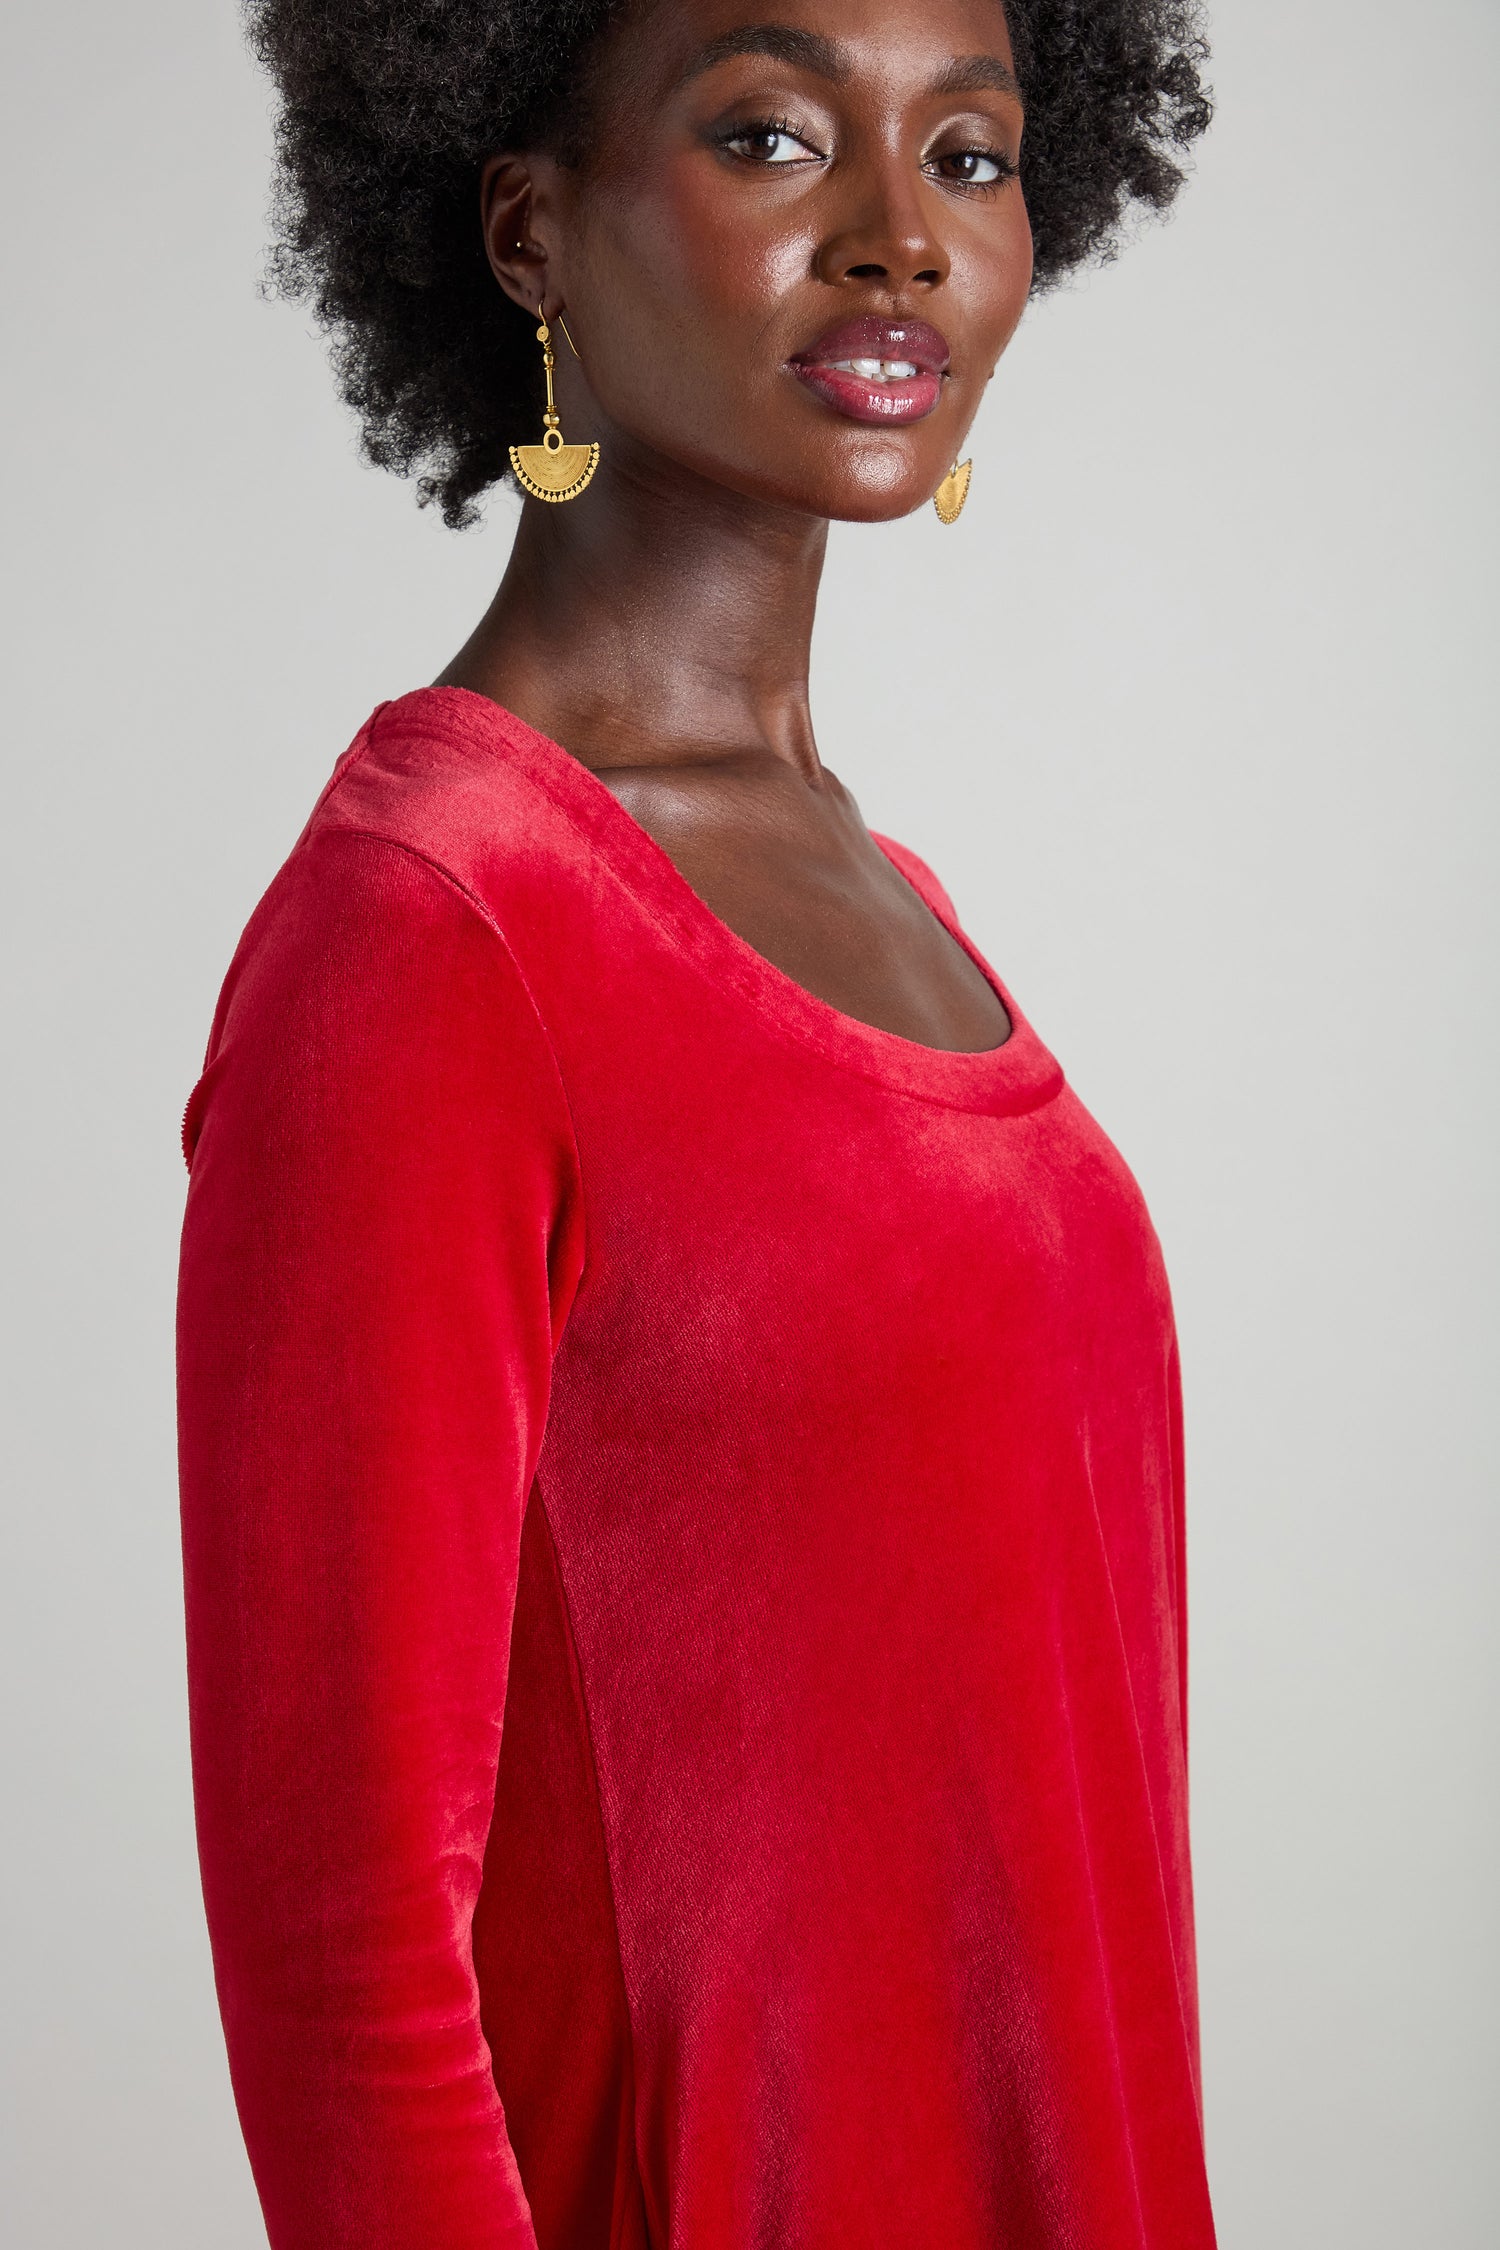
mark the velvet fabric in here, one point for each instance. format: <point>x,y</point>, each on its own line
<point>682,1509</point>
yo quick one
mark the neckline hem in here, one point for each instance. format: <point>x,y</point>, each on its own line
<point>1017,1074</point>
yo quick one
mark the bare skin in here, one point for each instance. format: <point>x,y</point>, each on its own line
<point>732,208</point>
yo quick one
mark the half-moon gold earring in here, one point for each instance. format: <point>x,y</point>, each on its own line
<point>951,494</point>
<point>553,470</point>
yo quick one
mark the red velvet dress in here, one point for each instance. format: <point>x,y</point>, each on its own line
<point>682,1500</point>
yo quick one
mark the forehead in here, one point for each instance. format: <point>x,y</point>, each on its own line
<point>668,45</point>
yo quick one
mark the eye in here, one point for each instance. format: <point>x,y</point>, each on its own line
<point>972,167</point>
<point>770,142</point>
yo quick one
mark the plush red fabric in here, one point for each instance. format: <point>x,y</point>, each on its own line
<point>683,1526</point>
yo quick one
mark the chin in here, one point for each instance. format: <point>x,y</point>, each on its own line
<point>863,498</point>
<point>879,480</point>
<point>872,483</point>
<point>860,505</point>
<point>879,485</point>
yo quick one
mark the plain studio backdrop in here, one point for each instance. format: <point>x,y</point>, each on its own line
<point>1193,713</point>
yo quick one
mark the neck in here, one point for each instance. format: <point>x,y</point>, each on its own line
<point>658,621</point>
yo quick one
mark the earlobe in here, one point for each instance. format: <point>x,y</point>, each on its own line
<point>517,260</point>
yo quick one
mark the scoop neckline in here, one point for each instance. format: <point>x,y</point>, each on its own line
<point>1019,1073</point>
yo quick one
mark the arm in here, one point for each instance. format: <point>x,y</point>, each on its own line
<point>382,1238</point>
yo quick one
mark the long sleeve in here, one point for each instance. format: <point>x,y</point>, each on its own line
<point>383,1234</point>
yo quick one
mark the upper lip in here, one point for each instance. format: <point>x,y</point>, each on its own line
<point>871,337</point>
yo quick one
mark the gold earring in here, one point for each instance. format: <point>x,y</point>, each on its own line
<point>553,470</point>
<point>951,494</point>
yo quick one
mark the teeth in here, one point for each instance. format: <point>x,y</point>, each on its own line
<point>877,370</point>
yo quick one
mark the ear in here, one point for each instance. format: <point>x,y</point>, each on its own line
<point>517,260</point>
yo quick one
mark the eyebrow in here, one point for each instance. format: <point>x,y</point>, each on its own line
<point>977,74</point>
<point>783,42</point>
<point>825,58</point>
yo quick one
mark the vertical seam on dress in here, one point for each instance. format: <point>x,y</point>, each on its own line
<point>653,2217</point>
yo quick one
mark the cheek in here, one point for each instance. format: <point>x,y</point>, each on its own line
<point>697,293</point>
<point>991,274</point>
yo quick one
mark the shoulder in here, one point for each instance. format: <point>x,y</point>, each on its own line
<point>367,982</point>
<point>427,888</point>
<point>461,785</point>
<point>436,840</point>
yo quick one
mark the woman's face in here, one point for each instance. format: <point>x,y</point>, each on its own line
<point>794,250</point>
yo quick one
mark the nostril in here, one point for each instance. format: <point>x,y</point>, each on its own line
<point>867,273</point>
<point>928,273</point>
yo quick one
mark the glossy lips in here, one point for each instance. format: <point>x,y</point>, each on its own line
<point>874,370</point>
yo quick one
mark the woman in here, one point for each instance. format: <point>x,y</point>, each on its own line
<point>681,1463</point>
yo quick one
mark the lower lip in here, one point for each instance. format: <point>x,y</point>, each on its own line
<point>860,400</point>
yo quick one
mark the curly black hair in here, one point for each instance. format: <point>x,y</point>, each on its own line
<point>389,108</point>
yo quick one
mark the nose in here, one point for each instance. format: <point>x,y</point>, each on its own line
<point>885,233</point>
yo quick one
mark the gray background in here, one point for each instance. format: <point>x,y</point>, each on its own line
<point>1192,712</point>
